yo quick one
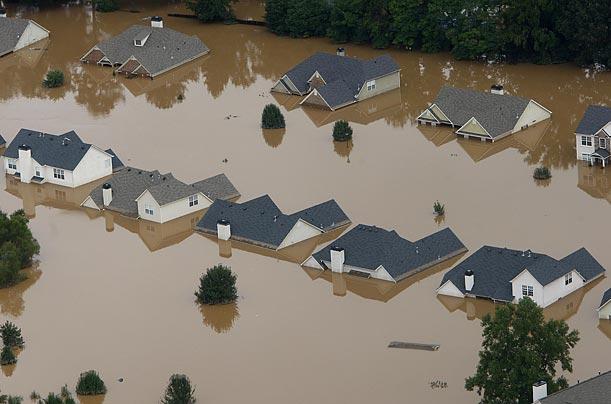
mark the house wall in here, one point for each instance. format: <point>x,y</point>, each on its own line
<point>381,273</point>
<point>557,289</point>
<point>383,84</point>
<point>33,33</point>
<point>440,114</point>
<point>584,151</point>
<point>428,115</point>
<point>280,88</point>
<point>449,289</point>
<point>532,115</point>
<point>94,165</point>
<point>301,231</point>
<point>172,210</point>
<point>605,312</point>
<point>473,127</point>
<point>315,99</point>
<point>47,174</point>
<point>525,278</point>
<point>147,199</point>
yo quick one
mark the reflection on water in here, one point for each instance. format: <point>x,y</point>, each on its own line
<point>605,327</point>
<point>343,149</point>
<point>594,180</point>
<point>12,302</point>
<point>220,317</point>
<point>273,137</point>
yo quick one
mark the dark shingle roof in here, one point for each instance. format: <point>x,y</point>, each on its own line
<point>596,390</point>
<point>62,151</point>
<point>261,222</point>
<point>498,114</point>
<point>163,50</point>
<point>368,247</point>
<point>343,75</point>
<point>606,297</point>
<point>11,30</point>
<point>172,189</point>
<point>594,119</point>
<point>2,141</point>
<point>495,267</point>
<point>117,164</point>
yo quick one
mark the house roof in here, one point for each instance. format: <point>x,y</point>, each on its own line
<point>2,141</point>
<point>368,247</point>
<point>117,164</point>
<point>606,298</point>
<point>260,221</point>
<point>344,76</point>
<point>596,390</point>
<point>172,189</point>
<point>62,151</point>
<point>495,267</point>
<point>11,30</point>
<point>594,119</point>
<point>497,113</point>
<point>164,48</point>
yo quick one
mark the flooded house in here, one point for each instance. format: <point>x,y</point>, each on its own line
<point>18,33</point>
<point>488,116</point>
<point>157,197</point>
<point>595,390</point>
<point>604,310</point>
<point>59,159</point>
<point>592,136</point>
<point>506,275</point>
<point>2,142</point>
<point>260,222</point>
<point>373,252</point>
<point>146,51</point>
<point>335,81</point>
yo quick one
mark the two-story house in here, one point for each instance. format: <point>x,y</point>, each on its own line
<point>592,136</point>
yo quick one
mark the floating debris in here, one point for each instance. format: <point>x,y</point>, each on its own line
<point>413,345</point>
<point>225,160</point>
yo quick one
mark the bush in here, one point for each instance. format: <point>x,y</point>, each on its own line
<point>342,131</point>
<point>211,10</point>
<point>272,118</point>
<point>4,399</point>
<point>179,391</point>
<point>90,384</point>
<point>542,173</point>
<point>106,6</point>
<point>55,78</point>
<point>17,247</point>
<point>7,357</point>
<point>439,209</point>
<point>11,335</point>
<point>217,286</point>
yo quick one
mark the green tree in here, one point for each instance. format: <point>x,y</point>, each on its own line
<point>90,384</point>
<point>10,265</point>
<point>519,349</point>
<point>7,357</point>
<point>179,391</point>
<point>11,335</point>
<point>211,10</point>
<point>54,78</point>
<point>272,118</point>
<point>106,6</point>
<point>307,18</point>
<point>407,22</point>
<point>275,15</point>
<point>217,286</point>
<point>4,399</point>
<point>342,131</point>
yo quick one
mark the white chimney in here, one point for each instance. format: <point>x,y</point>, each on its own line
<point>156,22</point>
<point>539,391</point>
<point>337,259</point>
<point>25,165</point>
<point>341,52</point>
<point>497,89</point>
<point>106,194</point>
<point>2,12</point>
<point>223,229</point>
<point>469,280</point>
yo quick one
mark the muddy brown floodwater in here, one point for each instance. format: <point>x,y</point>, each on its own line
<point>117,295</point>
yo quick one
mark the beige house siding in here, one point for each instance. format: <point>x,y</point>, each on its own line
<point>437,111</point>
<point>281,88</point>
<point>383,84</point>
<point>533,114</point>
<point>473,127</point>
<point>315,99</point>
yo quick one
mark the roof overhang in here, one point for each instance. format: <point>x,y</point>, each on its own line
<point>474,120</point>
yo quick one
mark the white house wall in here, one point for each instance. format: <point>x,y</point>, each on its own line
<point>449,289</point>
<point>312,263</point>
<point>605,312</point>
<point>170,211</point>
<point>89,203</point>
<point>94,165</point>
<point>533,114</point>
<point>525,278</point>
<point>557,289</point>
<point>381,273</point>
<point>301,231</point>
<point>32,33</point>
<point>583,152</point>
<point>147,199</point>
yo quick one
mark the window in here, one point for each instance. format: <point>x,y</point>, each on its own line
<point>602,142</point>
<point>585,157</point>
<point>59,174</point>
<point>568,278</point>
<point>586,141</point>
<point>12,164</point>
<point>371,85</point>
<point>527,290</point>
<point>38,172</point>
<point>193,200</point>
<point>138,42</point>
<point>148,209</point>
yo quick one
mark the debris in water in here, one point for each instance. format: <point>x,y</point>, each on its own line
<point>413,345</point>
<point>120,380</point>
<point>225,160</point>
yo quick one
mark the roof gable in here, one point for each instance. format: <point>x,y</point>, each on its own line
<point>11,30</point>
<point>595,118</point>
<point>606,299</point>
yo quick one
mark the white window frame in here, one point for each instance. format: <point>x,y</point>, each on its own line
<point>193,200</point>
<point>12,164</point>
<point>586,140</point>
<point>59,174</point>
<point>568,279</point>
<point>602,143</point>
<point>371,85</point>
<point>528,291</point>
<point>148,209</point>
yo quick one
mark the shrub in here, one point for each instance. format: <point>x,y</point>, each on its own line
<point>4,399</point>
<point>90,384</point>
<point>439,208</point>
<point>211,10</point>
<point>34,395</point>
<point>17,247</point>
<point>272,118</point>
<point>542,173</point>
<point>342,131</point>
<point>7,357</point>
<point>11,335</point>
<point>179,391</point>
<point>217,286</point>
<point>54,78</point>
<point>106,6</point>
<point>52,398</point>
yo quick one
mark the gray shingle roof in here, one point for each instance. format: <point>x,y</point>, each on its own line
<point>171,190</point>
<point>595,117</point>
<point>498,114</point>
<point>62,151</point>
<point>495,267</point>
<point>596,390</point>
<point>260,221</point>
<point>2,141</point>
<point>117,164</point>
<point>164,49</point>
<point>343,75</point>
<point>368,247</point>
<point>606,297</point>
<point>11,30</point>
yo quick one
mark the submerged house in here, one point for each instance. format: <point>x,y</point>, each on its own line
<point>505,275</point>
<point>604,310</point>
<point>335,81</point>
<point>146,51</point>
<point>59,159</point>
<point>2,142</point>
<point>18,33</point>
<point>260,222</point>
<point>373,252</point>
<point>596,390</point>
<point>488,116</point>
<point>157,197</point>
<point>593,135</point>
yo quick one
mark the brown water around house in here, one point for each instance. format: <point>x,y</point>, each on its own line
<point>122,301</point>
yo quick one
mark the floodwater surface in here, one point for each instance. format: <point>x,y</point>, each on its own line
<point>116,295</point>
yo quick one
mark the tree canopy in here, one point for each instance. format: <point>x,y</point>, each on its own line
<point>17,247</point>
<point>210,10</point>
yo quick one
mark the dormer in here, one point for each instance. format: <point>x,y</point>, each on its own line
<point>141,38</point>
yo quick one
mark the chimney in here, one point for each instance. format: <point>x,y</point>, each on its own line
<point>107,194</point>
<point>539,391</point>
<point>223,229</point>
<point>469,280</point>
<point>497,89</point>
<point>157,22</point>
<point>2,12</point>
<point>341,52</point>
<point>26,165</point>
<point>337,259</point>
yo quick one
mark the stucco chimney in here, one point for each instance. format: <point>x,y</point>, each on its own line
<point>539,391</point>
<point>223,229</point>
<point>106,194</point>
<point>497,89</point>
<point>469,280</point>
<point>2,12</point>
<point>25,165</point>
<point>337,259</point>
<point>157,22</point>
<point>341,52</point>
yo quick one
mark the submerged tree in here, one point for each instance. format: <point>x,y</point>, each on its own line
<point>106,6</point>
<point>217,286</point>
<point>272,118</point>
<point>210,10</point>
<point>179,391</point>
<point>519,349</point>
<point>342,131</point>
<point>11,335</point>
<point>54,78</point>
<point>90,384</point>
<point>17,247</point>
<point>542,173</point>
<point>7,356</point>
<point>4,399</point>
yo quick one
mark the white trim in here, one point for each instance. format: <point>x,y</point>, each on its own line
<point>86,203</point>
<point>541,106</point>
<point>474,134</point>
<point>176,200</point>
<point>91,50</point>
<point>40,26</point>
<point>430,112</point>
<point>309,264</point>
<point>315,92</point>
<point>318,75</point>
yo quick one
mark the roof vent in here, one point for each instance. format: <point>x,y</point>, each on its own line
<point>341,52</point>
<point>497,89</point>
